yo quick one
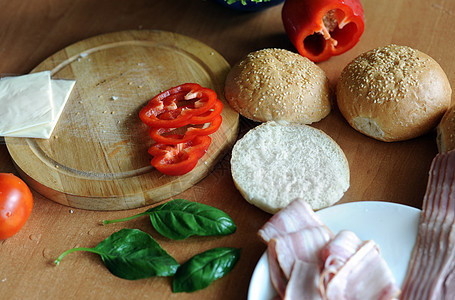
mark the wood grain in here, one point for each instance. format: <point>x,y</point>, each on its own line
<point>97,156</point>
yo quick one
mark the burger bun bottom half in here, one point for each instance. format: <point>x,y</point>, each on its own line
<point>276,163</point>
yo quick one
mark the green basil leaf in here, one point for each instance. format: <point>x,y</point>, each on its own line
<point>202,269</point>
<point>179,219</point>
<point>132,254</point>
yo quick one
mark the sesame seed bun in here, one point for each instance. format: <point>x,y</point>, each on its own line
<point>278,85</point>
<point>275,163</point>
<point>393,93</point>
<point>446,131</point>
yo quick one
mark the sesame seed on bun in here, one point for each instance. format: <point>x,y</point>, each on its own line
<point>393,93</point>
<point>278,85</point>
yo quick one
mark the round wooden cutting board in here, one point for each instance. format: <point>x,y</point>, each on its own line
<point>97,155</point>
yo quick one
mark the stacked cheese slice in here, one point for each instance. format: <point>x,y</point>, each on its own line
<point>32,104</point>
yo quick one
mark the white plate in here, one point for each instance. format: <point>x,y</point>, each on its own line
<point>392,226</point>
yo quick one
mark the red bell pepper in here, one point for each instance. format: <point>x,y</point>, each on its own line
<point>320,29</point>
<point>175,160</point>
<point>175,107</point>
<point>212,117</point>
<point>181,109</point>
<point>208,116</point>
<point>157,134</point>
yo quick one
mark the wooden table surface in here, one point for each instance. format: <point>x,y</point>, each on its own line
<point>31,31</point>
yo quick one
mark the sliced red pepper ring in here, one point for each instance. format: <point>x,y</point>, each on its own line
<point>209,115</point>
<point>175,107</point>
<point>175,160</point>
<point>323,28</point>
<point>189,108</point>
<point>158,134</point>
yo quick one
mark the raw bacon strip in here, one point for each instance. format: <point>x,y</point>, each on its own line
<point>344,245</point>
<point>365,275</point>
<point>337,252</point>
<point>443,219</point>
<point>277,278</point>
<point>449,285</point>
<point>284,250</point>
<point>432,237</point>
<point>296,239</point>
<point>296,216</point>
<point>433,258</point>
<point>303,245</point>
<point>424,236</point>
<point>304,282</point>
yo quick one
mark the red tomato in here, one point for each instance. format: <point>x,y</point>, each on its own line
<point>16,203</point>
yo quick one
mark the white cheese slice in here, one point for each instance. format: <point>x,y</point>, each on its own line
<point>26,101</point>
<point>61,90</point>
